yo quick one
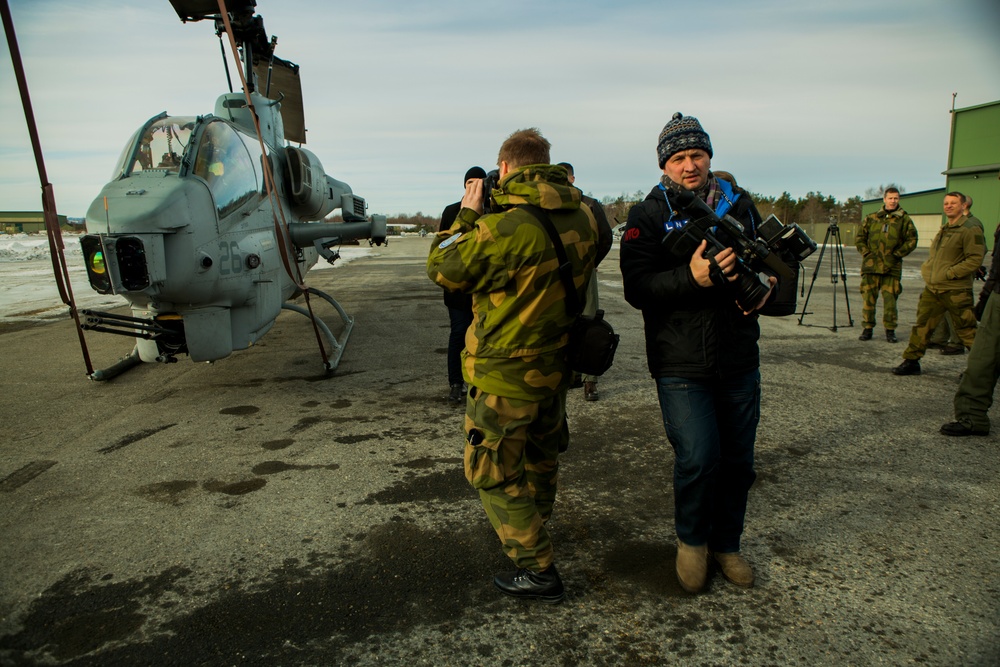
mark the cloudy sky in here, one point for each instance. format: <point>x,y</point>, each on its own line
<point>402,97</point>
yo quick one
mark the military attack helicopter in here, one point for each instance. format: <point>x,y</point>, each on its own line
<point>210,221</point>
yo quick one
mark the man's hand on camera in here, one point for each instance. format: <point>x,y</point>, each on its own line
<point>773,281</point>
<point>473,197</point>
<point>701,266</point>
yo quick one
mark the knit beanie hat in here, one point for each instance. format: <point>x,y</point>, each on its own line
<point>474,172</point>
<point>680,134</point>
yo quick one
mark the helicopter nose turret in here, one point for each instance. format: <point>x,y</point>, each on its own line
<point>131,218</point>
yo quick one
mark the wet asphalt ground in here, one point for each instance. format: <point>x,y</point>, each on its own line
<point>256,511</point>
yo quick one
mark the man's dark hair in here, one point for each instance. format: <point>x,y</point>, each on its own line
<point>567,166</point>
<point>958,194</point>
<point>890,189</point>
<point>525,147</point>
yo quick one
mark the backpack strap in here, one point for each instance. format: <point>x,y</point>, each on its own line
<point>573,306</point>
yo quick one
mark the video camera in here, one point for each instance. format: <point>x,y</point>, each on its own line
<point>777,252</point>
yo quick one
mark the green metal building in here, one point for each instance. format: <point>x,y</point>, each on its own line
<point>15,222</point>
<point>973,169</point>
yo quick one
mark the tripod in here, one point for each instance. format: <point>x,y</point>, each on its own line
<point>837,265</point>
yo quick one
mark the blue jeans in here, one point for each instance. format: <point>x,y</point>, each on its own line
<point>460,319</point>
<point>712,426</point>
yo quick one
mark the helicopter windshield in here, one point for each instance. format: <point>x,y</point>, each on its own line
<point>224,161</point>
<point>161,146</point>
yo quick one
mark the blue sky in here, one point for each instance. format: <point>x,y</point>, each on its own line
<point>401,98</point>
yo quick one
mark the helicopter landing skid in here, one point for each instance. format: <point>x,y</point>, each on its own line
<point>119,367</point>
<point>336,345</point>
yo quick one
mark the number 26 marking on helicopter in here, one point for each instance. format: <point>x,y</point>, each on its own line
<point>230,255</point>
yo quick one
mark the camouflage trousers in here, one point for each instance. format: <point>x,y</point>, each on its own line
<point>889,286</point>
<point>975,391</point>
<point>512,458</point>
<point>931,310</point>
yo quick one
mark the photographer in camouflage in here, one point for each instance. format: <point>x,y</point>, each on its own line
<point>515,362</point>
<point>884,239</point>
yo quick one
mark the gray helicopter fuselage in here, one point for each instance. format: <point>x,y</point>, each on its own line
<point>188,234</point>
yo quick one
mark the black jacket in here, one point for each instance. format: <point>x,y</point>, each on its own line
<point>456,300</point>
<point>605,237</point>
<point>691,331</point>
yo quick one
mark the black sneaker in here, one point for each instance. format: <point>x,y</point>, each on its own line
<point>890,336</point>
<point>866,334</point>
<point>544,586</point>
<point>959,429</point>
<point>908,367</point>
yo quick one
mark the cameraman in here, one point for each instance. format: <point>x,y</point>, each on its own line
<point>515,419</point>
<point>701,349</point>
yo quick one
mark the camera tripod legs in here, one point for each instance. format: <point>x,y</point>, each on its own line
<point>838,268</point>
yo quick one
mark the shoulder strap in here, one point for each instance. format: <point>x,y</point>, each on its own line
<point>573,306</point>
<point>729,197</point>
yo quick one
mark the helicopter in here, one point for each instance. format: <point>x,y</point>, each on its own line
<point>210,221</point>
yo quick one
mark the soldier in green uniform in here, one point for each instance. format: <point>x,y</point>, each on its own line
<point>884,239</point>
<point>956,254</point>
<point>944,336</point>
<point>514,361</point>
<point>975,390</point>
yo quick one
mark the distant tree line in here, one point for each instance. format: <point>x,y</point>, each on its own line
<point>813,211</point>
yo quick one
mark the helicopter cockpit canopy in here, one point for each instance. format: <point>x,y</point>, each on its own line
<point>231,166</point>
<point>159,144</point>
<point>212,149</point>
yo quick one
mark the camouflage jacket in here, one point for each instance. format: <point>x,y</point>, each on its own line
<point>884,239</point>
<point>506,260</point>
<point>956,254</point>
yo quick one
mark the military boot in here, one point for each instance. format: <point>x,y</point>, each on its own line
<point>692,566</point>
<point>866,334</point>
<point>961,429</point>
<point>522,583</point>
<point>908,367</point>
<point>890,336</point>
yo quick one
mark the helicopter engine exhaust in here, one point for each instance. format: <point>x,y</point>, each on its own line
<point>314,194</point>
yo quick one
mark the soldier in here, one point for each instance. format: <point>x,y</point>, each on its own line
<point>884,239</point>
<point>515,420</point>
<point>975,390</point>
<point>944,335</point>
<point>956,254</point>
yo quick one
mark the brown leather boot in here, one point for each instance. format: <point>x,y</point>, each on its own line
<point>692,566</point>
<point>735,569</point>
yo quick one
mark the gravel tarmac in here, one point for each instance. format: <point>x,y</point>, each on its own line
<point>259,511</point>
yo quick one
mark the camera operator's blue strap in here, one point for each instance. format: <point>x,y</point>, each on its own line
<point>729,197</point>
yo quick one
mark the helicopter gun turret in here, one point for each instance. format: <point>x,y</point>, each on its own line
<point>189,234</point>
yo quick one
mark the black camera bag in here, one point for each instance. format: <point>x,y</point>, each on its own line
<point>592,339</point>
<point>592,344</point>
